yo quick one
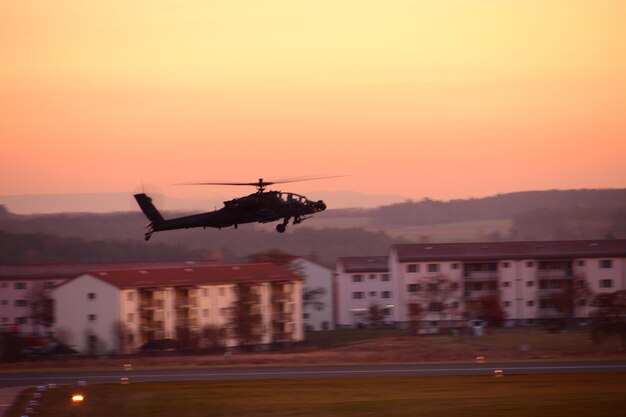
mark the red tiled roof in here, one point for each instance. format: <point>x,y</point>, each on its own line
<point>365,263</point>
<point>69,270</point>
<point>511,250</point>
<point>216,274</point>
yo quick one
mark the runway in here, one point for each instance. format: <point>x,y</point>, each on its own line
<point>11,379</point>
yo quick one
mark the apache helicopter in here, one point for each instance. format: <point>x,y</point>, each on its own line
<point>262,206</point>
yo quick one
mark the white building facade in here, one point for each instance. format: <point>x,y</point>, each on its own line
<point>318,280</point>
<point>119,311</point>
<point>360,284</point>
<point>523,275</point>
<point>450,281</point>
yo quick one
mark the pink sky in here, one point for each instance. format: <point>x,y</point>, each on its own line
<point>446,99</point>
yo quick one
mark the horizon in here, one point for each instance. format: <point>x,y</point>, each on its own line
<point>59,203</point>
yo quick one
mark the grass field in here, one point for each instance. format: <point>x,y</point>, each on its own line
<point>522,395</point>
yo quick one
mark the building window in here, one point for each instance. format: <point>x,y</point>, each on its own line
<point>606,263</point>
<point>91,318</point>
<point>506,284</point>
<point>412,268</point>
<point>372,293</point>
<point>530,264</point>
<point>91,296</point>
<point>21,303</point>
<point>455,266</point>
<point>357,295</point>
<point>4,302</point>
<point>386,294</point>
<point>48,285</point>
<point>130,296</point>
<point>506,264</point>
<point>357,278</point>
<point>506,303</point>
<point>130,317</point>
<point>530,303</point>
<point>305,316</point>
<point>21,320</point>
<point>384,277</point>
<point>433,267</point>
<point>530,283</point>
<point>372,276</point>
<point>20,286</point>
<point>581,263</point>
<point>606,283</point>
<point>413,287</point>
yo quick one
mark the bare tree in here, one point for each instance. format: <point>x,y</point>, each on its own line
<point>573,293</point>
<point>609,318</point>
<point>41,306</point>
<point>311,298</point>
<point>124,337</point>
<point>490,310</point>
<point>437,293</point>
<point>245,316</point>
<point>415,313</point>
<point>375,315</point>
<point>211,338</point>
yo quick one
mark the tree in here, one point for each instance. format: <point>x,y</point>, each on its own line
<point>375,315</point>
<point>311,297</point>
<point>41,307</point>
<point>124,337</point>
<point>416,311</point>
<point>490,310</point>
<point>245,316</point>
<point>211,338</point>
<point>437,293</point>
<point>609,318</point>
<point>574,292</point>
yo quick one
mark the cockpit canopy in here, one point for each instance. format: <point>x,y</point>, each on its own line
<point>292,198</point>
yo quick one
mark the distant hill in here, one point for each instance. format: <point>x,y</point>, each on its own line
<point>535,215</point>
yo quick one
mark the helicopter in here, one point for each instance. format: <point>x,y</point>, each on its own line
<point>262,207</point>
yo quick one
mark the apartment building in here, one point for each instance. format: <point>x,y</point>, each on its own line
<point>120,310</point>
<point>448,281</point>
<point>23,285</point>
<point>317,312</point>
<point>360,283</point>
<point>522,274</point>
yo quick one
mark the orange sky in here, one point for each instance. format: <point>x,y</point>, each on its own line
<point>446,99</point>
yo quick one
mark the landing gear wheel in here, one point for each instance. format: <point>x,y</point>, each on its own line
<point>280,228</point>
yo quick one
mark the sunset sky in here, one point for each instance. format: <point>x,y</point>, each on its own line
<point>445,99</point>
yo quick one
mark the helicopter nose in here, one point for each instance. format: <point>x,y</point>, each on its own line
<point>320,205</point>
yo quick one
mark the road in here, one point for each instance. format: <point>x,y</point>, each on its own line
<point>30,378</point>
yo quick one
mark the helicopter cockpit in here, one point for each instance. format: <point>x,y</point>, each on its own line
<point>293,198</point>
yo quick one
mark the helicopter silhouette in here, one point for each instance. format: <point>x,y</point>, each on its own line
<point>262,207</point>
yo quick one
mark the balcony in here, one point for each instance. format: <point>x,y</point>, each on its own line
<point>281,317</point>
<point>186,323</point>
<point>151,304</point>
<point>156,325</point>
<point>480,275</point>
<point>478,294</point>
<point>280,297</point>
<point>182,302</point>
<point>554,273</point>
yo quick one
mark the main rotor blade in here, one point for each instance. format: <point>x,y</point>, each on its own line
<point>260,182</point>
